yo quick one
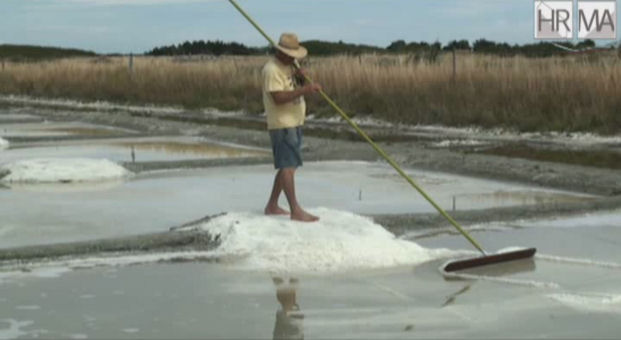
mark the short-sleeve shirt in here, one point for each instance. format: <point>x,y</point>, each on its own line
<point>280,77</point>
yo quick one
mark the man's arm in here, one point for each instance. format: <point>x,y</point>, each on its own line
<point>284,97</point>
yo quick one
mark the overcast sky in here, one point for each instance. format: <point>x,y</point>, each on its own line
<point>109,26</point>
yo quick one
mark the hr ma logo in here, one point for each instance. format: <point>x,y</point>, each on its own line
<point>555,19</point>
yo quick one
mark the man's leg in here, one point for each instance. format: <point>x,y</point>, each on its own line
<point>272,207</point>
<point>288,185</point>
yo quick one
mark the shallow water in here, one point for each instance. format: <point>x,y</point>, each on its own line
<point>198,300</point>
<point>134,149</point>
<point>49,129</point>
<point>156,201</point>
<point>594,236</point>
<point>570,290</point>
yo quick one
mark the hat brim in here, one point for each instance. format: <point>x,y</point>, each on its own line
<point>299,53</point>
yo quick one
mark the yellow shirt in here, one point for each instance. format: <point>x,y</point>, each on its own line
<point>279,77</point>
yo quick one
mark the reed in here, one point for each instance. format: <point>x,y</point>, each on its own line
<point>564,94</point>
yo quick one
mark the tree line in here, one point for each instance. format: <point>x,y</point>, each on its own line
<point>206,47</point>
<point>325,48</point>
<point>34,53</point>
<point>424,50</point>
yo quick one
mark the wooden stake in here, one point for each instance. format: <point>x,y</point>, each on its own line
<point>454,66</point>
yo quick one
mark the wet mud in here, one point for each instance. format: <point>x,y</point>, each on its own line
<point>160,242</point>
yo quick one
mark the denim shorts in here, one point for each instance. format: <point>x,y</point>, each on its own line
<point>286,145</point>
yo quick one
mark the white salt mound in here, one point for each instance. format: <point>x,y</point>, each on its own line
<point>340,241</point>
<point>62,170</point>
<point>4,144</point>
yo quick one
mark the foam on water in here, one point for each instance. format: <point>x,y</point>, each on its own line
<point>340,241</point>
<point>4,144</point>
<point>50,170</point>
<point>594,303</point>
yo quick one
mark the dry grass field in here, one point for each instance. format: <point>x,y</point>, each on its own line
<point>578,93</point>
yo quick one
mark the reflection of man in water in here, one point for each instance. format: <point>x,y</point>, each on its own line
<point>289,318</point>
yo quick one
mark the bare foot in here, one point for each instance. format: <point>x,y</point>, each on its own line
<point>303,216</point>
<point>275,211</point>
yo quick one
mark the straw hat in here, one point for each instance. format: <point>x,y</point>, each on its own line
<point>290,45</point>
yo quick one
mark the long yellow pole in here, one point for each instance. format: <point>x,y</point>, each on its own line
<point>370,141</point>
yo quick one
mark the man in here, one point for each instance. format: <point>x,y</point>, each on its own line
<point>283,98</point>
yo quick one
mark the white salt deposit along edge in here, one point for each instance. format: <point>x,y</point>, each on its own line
<point>50,170</point>
<point>340,241</point>
<point>56,268</point>
<point>4,144</point>
<point>98,105</point>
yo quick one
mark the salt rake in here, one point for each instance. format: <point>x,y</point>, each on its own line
<point>450,266</point>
